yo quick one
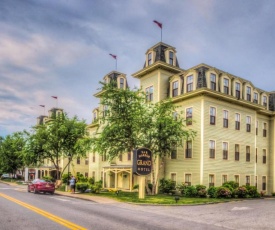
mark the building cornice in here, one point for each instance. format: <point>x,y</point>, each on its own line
<point>155,66</point>
<point>224,97</point>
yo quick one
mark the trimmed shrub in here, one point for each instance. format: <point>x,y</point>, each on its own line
<point>82,187</point>
<point>96,187</point>
<point>166,186</point>
<point>190,191</point>
<point>223,192</point>
<point>241,192</point>
<point>212,192</point>
<point>252,191</point>
<point>231,184</point>
<point>201,190</point>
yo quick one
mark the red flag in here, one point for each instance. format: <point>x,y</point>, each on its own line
<point>42,106</point>
<point>114,56</point>
<point>55,97</point>
<point>158,23</point>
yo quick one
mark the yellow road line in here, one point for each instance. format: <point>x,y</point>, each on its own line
<point>54,218</point>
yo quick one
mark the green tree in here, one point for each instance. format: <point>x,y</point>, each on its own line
<point>11,152</point>
<point>128,122</point>
<point>121,121</point>
<point>60,137</point>
<point>164,132</point>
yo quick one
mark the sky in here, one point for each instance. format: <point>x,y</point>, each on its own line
<point>61,48</point>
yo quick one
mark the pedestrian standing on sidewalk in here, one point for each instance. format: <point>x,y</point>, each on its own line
<point>72,184</point>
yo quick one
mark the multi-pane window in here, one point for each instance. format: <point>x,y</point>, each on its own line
<point>171,57</point>
<point>248,124</point>
<point>212,116</point>
<point>213,81</point>
<point>255,100</point>
<point>187,179</point>
<point>248,93</point>
<point>257,127</point>
<point>120,157</point>
<point>149,58</point>
<point>175,90</point>
<point>264,183</point>
<point>174,177</point>
<point>211,180</point>
<point>129,156</point>
<point>225,150</point>
<point>238,90</point>
<point>78,160</point>
<point>237,179</point>
<point>264,130</point>
<point>247,153</point>
<point>247,180</point>
<point>86,174</point>
<point>121,83</point>
<point>224,179</point>
<point>264,156</point>
<point>237,121</point>
<point>264,101</point>
<point>149,93</point>
<point>86,161</point>
<point>212,149</point>
<point>189,115</point>
<point>189,83</point>
<point>174,152</point>
<point>226,86</point>
<point>225,118</point>
<point>188,152</point>
<point>237,152</point>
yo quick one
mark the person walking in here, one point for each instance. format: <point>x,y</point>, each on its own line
<point>72,184</point>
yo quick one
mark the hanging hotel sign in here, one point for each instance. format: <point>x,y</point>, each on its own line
<point>142,161</point>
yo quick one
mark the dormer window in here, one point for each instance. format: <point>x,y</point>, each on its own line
<point>149,58</point>
<point>248,93</point>
<point>171,57</point>
<point>238,90</point>
<point>226,86</point>
<point>175,88</point>
<point>121,83</point>
<point>255,100</point>
<point>213,81</point>
<point>264,101</point>
<point>189,83</point>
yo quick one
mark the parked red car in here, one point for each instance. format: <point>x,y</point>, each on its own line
<point>39,185</point>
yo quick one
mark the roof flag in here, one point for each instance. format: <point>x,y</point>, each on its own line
<point>115,57</point>
<point>160,26</point>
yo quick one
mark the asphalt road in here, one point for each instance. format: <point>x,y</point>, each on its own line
<point>22,210</point>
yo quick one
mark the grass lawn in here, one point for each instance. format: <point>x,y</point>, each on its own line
<point>157,199</point>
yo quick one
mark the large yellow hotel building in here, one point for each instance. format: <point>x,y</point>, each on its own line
<point>234,121</point>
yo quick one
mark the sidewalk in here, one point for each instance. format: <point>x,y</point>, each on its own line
<point>95,199</point>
